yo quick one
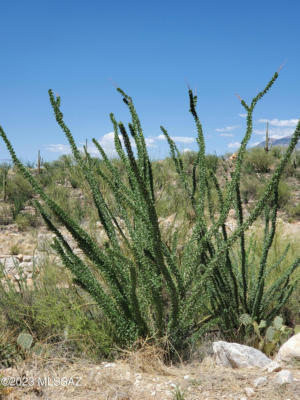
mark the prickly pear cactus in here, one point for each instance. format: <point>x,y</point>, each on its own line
<point>25,341</point>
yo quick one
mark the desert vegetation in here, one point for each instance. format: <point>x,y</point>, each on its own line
<point>159,259</point>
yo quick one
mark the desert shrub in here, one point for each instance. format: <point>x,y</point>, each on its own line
<point>5,214</point>
<point>19,192</point>
<point>19,186</point>
<point>294,211</point>
<point>15,249</point>
<point>284,195</point>
<point>62,196</point>
<point>188,157</point>
<point>277,151</point>
<point>25,221</point>
<point>249,188</point>
<point>258,160</point>
<point>297,158</point>
<point>291,167</point>
<point>55,313</point>
<point>212,162</point>
<point>147,287</point>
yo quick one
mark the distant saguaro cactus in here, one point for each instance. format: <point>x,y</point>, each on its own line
<point>267,138</point>
<point>39,161</point>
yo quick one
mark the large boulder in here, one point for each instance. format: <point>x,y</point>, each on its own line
<point>236,355</point>
<point>289,352</point>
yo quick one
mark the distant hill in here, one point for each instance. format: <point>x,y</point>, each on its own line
<point>279,142</point>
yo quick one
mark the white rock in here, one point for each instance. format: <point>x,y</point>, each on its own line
<point>283,377</point>
<point>27,258</point>
<point>273,367</point>
<point>9,263</point>
<point>235,355</point>
<point>109,365</point>
<point>26,266</point>
<point>20,257</point>
<point>290,351</point>
<point>261,381</point>
<point>249,391</point>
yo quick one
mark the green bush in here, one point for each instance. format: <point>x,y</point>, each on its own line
<point>6,217</point>
<point>212,162</point>
<point>284,195</point>
<point>250,187</point>
<point>277,151</point>
<point>25,221</point>
<point>19,191</point>
<point>56,313</point>
<point>146,286</point>
<point>258,160</point>
<point>294,211</point>
<point>15,250</point>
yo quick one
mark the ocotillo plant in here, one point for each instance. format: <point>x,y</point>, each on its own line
<point>149,287</point>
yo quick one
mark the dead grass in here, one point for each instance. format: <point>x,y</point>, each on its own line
<point>121,381</point>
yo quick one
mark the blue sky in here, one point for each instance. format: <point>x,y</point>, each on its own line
<point>152,50</point>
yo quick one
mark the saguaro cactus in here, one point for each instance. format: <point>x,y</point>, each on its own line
<point>267,138</point>
<point>39,162</point>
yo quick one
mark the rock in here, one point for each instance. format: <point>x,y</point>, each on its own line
<point>261,381</point>
<point>19,257</point>
<point>249,391</point>
<point>284,377</point>
<point>27,258</point>
<point>289,352</point>
<point>9,263</point>
<point>26,266</point>
<point>273,367</point>
<point>235,355</point>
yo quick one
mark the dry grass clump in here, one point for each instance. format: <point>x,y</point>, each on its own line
<point>147,357</point>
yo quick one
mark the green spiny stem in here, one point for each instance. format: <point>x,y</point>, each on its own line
<point>101,206</point>
<point>239,212</point>
<point>254,214</point>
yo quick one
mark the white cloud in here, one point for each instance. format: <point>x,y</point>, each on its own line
<point>228,128</point>
<point>234,145</point>
<point>275,132</point>
<point>278,136</point>
<point>243,115</point>
<point>150,142</point>
<point>227,134</point>
<point>280,122</point>
<point>107,143</point>
<point>59,148</point>
<point>181,139</point>
<point>186,150</point>
<point>161,137</point>
<point>254,144</point>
